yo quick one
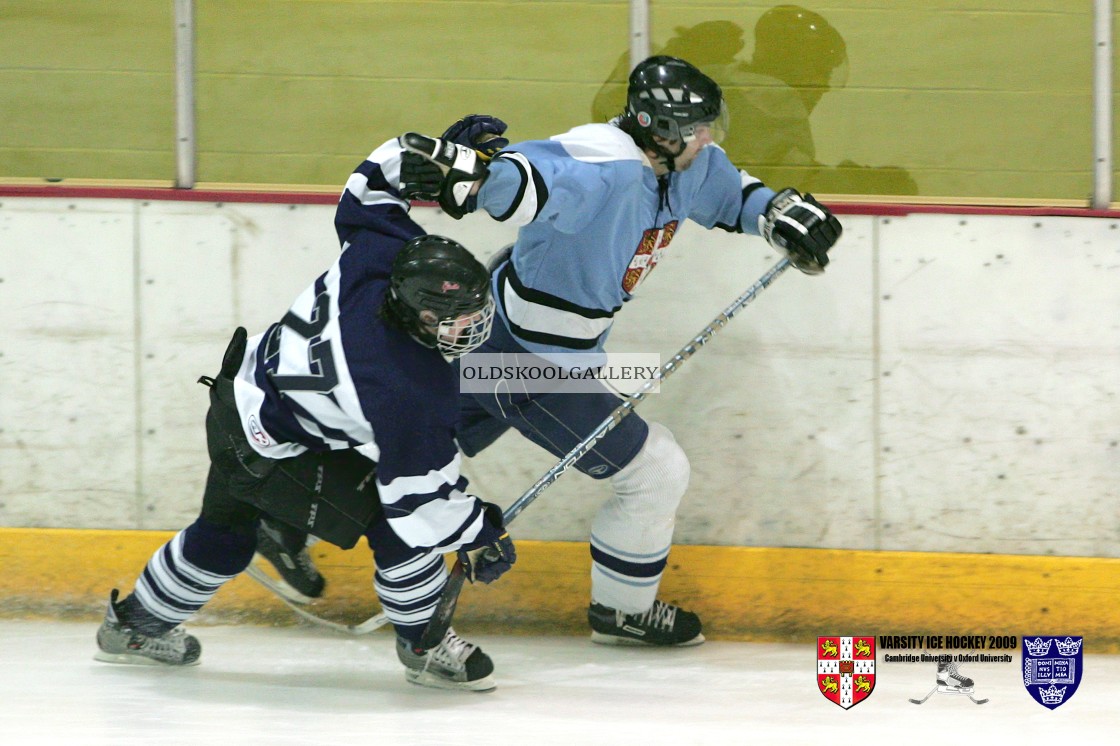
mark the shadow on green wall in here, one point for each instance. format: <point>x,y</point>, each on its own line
<point>798,57</point>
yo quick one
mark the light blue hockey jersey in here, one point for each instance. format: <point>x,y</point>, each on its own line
<point>595,220</point>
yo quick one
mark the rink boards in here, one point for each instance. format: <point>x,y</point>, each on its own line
<point>741,593</point>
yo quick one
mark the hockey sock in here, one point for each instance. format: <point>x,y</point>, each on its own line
<point>187,571</point>
<point>409,591</point>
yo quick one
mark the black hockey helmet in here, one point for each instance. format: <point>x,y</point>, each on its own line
<point>440,294</point>
<point>667,98</point>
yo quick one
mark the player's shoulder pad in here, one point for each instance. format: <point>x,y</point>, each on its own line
<point>599,143</point>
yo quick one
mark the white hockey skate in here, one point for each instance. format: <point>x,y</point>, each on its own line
<point>951,681</point>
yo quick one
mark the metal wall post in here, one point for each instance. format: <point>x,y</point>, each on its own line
<point>184,94</point>
<point>1102,104</point>
<point>639,31</point>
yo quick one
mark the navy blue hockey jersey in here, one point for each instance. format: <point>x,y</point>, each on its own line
<point>332,374</point>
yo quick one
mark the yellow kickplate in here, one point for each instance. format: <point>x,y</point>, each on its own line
<point>740,593</point>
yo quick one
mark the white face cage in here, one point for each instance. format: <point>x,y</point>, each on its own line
<point>458,336</point>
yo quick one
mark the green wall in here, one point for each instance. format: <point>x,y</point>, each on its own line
<point>939,98</point>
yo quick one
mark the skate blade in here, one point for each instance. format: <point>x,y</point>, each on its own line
<point>601,638</point>
<point>277,585</point>
<point>942,689</point>
<point>132,659</point>
<point>432,681</point>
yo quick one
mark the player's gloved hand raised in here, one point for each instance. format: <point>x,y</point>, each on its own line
<point>422,179</point>
<point>492,553</point>
<point>479,131</point>
<point>801,227</point>
<point>461,171</point>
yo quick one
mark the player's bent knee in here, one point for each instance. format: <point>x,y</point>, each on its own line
<point>656,479</point>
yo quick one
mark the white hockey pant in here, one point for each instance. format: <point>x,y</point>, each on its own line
<point>632,532</point>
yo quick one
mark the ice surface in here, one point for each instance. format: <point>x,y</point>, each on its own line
<point>304,685</point>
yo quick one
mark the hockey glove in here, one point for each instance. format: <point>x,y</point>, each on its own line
<point>493,551</point>
<point>801,227</point>
<point>479,131</point>
<point>420,178</point>
<point>461,169</point>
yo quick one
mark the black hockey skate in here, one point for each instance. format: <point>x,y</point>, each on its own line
<point>285,548</point>
<point>453,664</point>
<point>128,638</point>
<point>662,625</point>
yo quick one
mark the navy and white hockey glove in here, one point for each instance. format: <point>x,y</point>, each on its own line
<point>461,169</point>
<point>802,228</point>
<point>479,131</point>
<point>493,551</point>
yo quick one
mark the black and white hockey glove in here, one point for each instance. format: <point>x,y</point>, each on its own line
<point>422,179</point>
<point>461,168</point>
<point>492,553</point>
<point>801,227</point>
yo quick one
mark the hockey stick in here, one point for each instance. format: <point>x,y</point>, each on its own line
<point>445,607</point>
<point>923,699</point>
<point>947,691</point>
<point>377,621</point>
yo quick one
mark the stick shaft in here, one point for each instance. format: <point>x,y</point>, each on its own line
<point>583,447</point>
<point>449,598</point>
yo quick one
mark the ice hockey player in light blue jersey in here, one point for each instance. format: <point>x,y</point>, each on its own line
<point>599,219</point>
<point>596,207</point>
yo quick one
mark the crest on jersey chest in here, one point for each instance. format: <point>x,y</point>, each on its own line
<point>648,254</point>
<point>846,669</point>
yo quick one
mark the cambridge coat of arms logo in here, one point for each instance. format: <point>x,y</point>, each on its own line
<point>846,669</point>
<point>1051,668</point>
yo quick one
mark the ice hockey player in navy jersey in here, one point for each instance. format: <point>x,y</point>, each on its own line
<point>371,216</point>
<point>596,207</point>
<point>339,421</point>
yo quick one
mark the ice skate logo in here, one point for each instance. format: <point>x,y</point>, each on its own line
<point>950,680</point>
<point>1044,671</point>
<point>846,669</point>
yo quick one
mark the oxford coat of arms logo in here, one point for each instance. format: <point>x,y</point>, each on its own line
<point>846,669</point>
<point>1051,668</point>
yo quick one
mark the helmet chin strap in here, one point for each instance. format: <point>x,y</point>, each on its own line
<point>643,139</point>
<point>669,156</point>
